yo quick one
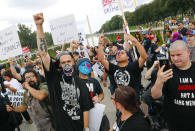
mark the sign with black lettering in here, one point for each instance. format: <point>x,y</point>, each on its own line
<point>9,43</point>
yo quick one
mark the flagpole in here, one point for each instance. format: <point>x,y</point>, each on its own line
<point>90,31</point>
<point>127,28</point>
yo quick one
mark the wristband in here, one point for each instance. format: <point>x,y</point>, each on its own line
<point>86,129</point>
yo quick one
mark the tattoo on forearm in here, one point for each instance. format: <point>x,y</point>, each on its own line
<point>43,45</point>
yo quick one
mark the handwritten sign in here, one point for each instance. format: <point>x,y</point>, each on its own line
<point>9,43</point>
<point>113,5</point>
<point>98,68</point>
<point>83,52</point>
<point>16,98</point>
<point>81,36</point>
<point>64,29</point>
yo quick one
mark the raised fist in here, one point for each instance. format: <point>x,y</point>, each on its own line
<point>38,18</point>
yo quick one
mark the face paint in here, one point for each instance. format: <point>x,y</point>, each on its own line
<point>67,69</point>
<point>85,68</point>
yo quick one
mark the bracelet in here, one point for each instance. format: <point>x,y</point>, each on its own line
<point>86,129</point>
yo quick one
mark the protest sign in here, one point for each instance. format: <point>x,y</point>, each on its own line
<point>83,52</point>
<point>81,36</point>
<point>95,117</point>
<point>64,30</point>
<point>26,52</point>
<point>16,98</point>
<point>98,68</point>
<point>113,5</point>
<point>9,43</point>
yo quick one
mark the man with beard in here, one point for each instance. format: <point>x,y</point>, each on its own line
<point>35,101</point>
<point>69,96</point>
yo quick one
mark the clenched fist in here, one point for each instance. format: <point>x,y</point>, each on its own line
<point>38,19</point>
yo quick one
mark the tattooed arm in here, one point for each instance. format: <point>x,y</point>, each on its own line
<point>41,41</point>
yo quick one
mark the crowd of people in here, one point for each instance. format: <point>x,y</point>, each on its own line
<point>60,92</point>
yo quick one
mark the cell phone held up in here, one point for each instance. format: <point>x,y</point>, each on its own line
<point>166,63</point>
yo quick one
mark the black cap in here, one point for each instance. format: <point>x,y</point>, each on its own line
<point>75,53</point>
<point>82,60</point>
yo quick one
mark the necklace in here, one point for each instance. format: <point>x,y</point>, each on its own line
<point>123,122</point>
<point>122,125</point>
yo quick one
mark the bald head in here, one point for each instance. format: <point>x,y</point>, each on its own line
<point>179,54</point>
<point>179,44</point>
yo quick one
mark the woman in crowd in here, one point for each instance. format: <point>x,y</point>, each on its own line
<point>131,118</point>
<point>138,37</point>
<point>12,85</point>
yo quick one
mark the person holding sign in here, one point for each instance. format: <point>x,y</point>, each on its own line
<point>94,87</point>
<point>35,101</point>
<point>70,98</point>
<point>126,73</point>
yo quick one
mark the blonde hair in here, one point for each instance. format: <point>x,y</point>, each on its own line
<point>106,41</point>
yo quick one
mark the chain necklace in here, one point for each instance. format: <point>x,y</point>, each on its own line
<point>122,125</point>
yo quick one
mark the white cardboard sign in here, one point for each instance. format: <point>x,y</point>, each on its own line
<point>64,29</point>
<point>95,117</point>
<point>9,43</point>
<point>98,68</point>
<point>113,5</point>
<point>16,98</point>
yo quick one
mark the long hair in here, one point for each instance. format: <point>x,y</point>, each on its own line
<point>36,75</point>
<point>126,96</point>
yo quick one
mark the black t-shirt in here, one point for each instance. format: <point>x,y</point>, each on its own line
<point>93,86</point>
<point>136,122</point>
<point>179,99</point>
<point>5,124</point>
<point>126,76</point>
<point>146,43</point>
<point>183,31</point>
<point>153,48</point>
<point>153,76</point>
<point>68,100</point>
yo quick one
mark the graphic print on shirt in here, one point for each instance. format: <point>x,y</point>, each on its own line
<point>122,78</point>
<point>115,127</point>
<point>186,90</point>
<point>91,89</point>
<point>70,96</point>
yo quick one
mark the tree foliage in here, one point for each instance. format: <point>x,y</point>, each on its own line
<point>154,11</point>
<point>28,37</point>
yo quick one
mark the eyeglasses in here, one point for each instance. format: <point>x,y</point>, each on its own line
<point>29,77</point>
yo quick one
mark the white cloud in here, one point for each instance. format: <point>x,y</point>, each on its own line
<point>21,11</point>
<point>30,4</point>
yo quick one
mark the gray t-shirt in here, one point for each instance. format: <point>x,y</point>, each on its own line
<point>192,54</point>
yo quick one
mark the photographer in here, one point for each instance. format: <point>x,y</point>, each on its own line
<point>177,86</point>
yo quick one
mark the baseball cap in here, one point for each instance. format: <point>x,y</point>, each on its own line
<point>190,32</point>
<point>144,32</point>
<point>151,37</point>
<point>118,37</point>
<point>75,53</point>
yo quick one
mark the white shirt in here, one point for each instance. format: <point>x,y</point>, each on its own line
<point>14,84</point>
